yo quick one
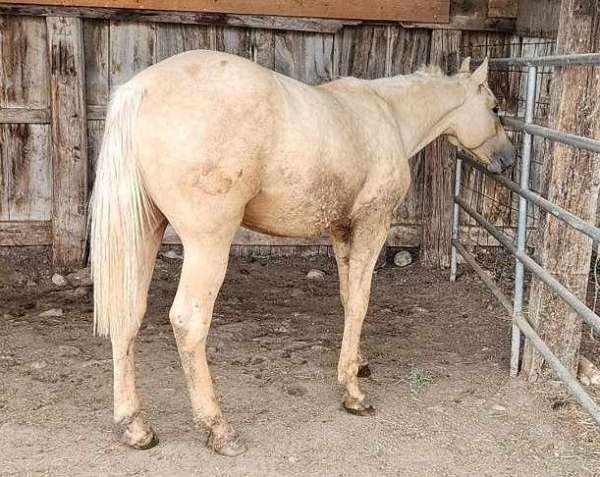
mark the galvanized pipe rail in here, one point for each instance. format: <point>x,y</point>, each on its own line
<point>518,250</point>
<point>571,382</point>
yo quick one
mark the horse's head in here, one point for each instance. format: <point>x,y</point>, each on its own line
<point>475,125</point>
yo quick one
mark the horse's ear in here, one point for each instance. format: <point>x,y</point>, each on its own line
<point>465,66</point>
<point>480,75</point>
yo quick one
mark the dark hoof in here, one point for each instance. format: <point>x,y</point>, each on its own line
<point>363,371</point>
<point>359,410</point>
<point>229,448</point>
<point>232,448</point>
<point>148,445</point>
<point>147,441</point>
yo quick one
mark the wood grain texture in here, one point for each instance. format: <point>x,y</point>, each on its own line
<point>307,57</point>
<point>172,39</point>
<point>538,18</point>
<point>25,168</point>
<point>26,171</point>
<point>263,48</point>
<point>472,15</point>
<point>17,234</point>
<point>436,11</point>
<point>503,8</point>
<point>572,181</point>
<point>438,170</point>
<point>96,53</point>
<point>271,22</point>
<point>408,50</point>
<point>69,140</point>
<point>361,51</point>
<point>237,41</point>
<point>24,56</point>
<point>132,49</point>
<point>24,116</point>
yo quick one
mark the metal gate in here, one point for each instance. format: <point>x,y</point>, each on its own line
<point>527,197</point>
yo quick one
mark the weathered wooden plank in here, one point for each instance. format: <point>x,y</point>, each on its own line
<point>237,41</point>
<point>271,22</point>
<point>96,50</point>
<point>503,8</point>
<point>172,39</point>
<point>132,49</point>
<point>437,196</point>
<point>95,130</point>
<point>24,71</point>
<point>24,150</point>
<point>24,116</point>
<point>25,233</point>
<point>538,18</point>
<point>263,48</point>
<point>407,50</point>
<point>96,36</point>
<point>361,52</point>
<point>470,15</point>
<point>436,11</point>
<point>307,57</point>
<point>5,168</point>
<point>69,140</point>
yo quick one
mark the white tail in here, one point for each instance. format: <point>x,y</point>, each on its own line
<point>121,215</point>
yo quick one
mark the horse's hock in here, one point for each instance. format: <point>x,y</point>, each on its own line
<point>530,233</point>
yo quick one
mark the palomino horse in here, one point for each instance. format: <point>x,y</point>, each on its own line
<point>207,142</point>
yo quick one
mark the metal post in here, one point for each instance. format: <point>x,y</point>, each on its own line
<point>455,220</point>
<point>522,222</point>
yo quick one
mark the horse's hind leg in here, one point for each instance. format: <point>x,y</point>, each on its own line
<point>204,268</point>
<point>127,412</point>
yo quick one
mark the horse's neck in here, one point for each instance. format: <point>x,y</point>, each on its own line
<point>422,109</point>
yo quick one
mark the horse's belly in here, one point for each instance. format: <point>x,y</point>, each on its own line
<point>295,217</point>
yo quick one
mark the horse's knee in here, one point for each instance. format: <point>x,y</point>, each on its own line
<point>190,325</point>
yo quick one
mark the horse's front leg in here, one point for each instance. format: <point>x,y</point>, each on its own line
<point>367,237</point>
<point>340,238</point>
<point>204,268</point>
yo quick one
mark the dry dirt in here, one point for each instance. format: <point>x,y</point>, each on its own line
<point>273,350</point>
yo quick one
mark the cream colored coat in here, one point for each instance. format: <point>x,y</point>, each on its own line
<point>209,141</point>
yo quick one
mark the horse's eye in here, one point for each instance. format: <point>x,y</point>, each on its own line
<point>495,109</point>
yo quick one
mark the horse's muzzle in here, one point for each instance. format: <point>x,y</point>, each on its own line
<point>502,159</point>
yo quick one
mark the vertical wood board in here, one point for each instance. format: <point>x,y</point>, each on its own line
<point>69,140</point>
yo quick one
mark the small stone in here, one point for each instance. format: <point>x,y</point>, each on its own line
<point>292,459</point>
<point>68,350</point>
<point>234,300</point>
<point>31,283</point>
<point>59,280</point>
<point>50,313</point>
<point>402,258</point>
<point>315,274</point>
<point>296,390</point>
<point>17,278</point>
<point>499,408</point>
<point>173,255</point>
<point>319,348</point>
<point>80,278</point>
<point>39,364</point>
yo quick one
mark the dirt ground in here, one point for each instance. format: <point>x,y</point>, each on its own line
<point>438,352</point>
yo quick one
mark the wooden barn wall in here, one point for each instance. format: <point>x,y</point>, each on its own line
<point>115,50</point>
